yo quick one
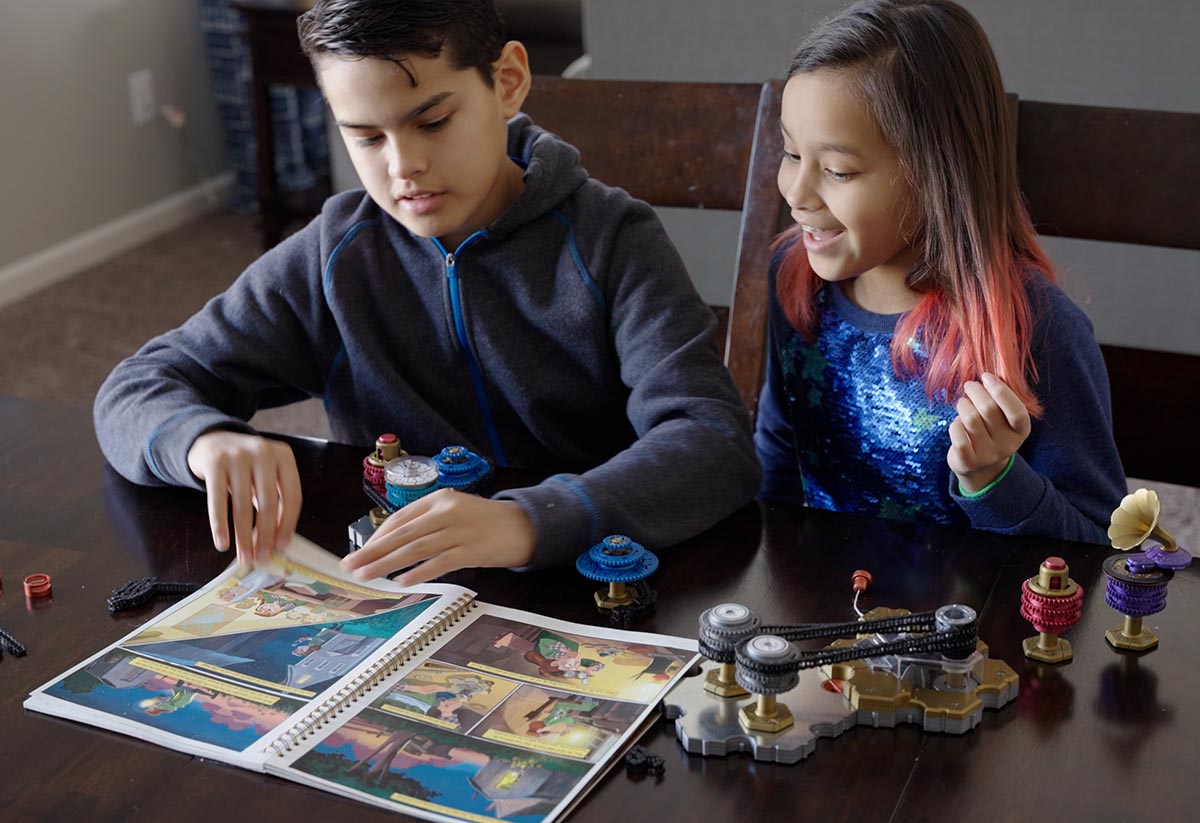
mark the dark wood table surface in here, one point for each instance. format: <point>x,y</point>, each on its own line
<point>1108,736</point>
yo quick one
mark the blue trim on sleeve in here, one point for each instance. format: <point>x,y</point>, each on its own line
<point>573,245</point>
<point>326,281</point>
<point>580,492</point>
<point>166,424</point>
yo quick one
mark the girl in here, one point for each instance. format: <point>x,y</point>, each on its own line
<point>922,364</point>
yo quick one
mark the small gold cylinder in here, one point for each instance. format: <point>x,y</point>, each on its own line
<point>727,674</point>
<point>1133,626</point>
<point>722,681</point>
<point>766,706</point>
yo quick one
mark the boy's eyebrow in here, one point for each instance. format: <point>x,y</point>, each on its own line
<point>836,148</point>
<point>408,118</point>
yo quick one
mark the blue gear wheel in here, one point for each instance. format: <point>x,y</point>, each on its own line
<point>399,497</point>
<point>459,467</point>
<point>617,559</point>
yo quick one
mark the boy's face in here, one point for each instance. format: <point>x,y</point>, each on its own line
<point>432,155</point>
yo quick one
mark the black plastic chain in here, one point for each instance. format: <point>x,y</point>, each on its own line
<point>957,640</point>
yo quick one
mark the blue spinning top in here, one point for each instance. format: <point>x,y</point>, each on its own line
<point>459,467</point>
<point>616,560</point>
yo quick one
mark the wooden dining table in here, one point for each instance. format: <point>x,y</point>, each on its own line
<point>1109,735</point>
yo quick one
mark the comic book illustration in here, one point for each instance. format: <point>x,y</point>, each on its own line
<point>233,662</point>
<point>206,709</point>
<point>506,711</point>
<point>431,769</point>
<point>289,594</point>
<point>595,665</point>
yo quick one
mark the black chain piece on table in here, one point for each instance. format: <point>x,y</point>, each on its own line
<point>645,601</point>
<point>9,643</point>
<point>639,762</point>
<point>136,593</point>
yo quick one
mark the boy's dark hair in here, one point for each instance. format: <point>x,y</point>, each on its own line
<point>471,31</point>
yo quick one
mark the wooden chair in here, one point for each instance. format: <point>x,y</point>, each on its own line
<point>690,145</point>
<point>1088,172</point>
<point>1125,176</point>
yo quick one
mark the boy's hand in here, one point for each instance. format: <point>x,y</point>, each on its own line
<point>992,424</point>
<point>253,473</point>
<point>448,530</point>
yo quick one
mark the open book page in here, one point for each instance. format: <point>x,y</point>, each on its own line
<point>220,673</point>
<point>508,715</point>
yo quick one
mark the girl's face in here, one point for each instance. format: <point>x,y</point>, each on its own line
<point>844,184</point>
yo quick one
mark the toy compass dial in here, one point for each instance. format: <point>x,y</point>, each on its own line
<point>411,472</point>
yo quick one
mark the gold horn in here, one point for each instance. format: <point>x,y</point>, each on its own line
<point>1136,519</point>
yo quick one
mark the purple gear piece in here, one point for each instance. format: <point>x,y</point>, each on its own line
<point>1175,561</point>
<point>1140,563</point>
<point>1135,601</point>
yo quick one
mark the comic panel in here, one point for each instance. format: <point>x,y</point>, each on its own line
<point>445,696</point>
<point>298,659</point>
<point>289,596</point>
<point>441,771</point>
<point>559,723</point>
<point>174,700</point>
<point>574,662</point>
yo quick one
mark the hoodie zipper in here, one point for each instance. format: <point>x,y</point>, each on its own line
<point>460,329</point>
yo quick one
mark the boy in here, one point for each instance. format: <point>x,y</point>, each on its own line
<point>483,291</point>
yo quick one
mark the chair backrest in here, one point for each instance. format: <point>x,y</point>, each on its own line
<point>1088,172</point>
<point>690,145</point>
<point>1125,176</point>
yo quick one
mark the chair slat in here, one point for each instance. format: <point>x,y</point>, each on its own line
<point>670,144</point>
<point>1122,175</point>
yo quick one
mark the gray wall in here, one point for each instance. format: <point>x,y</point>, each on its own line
<point>70,157</point>
<point>1095,52</point>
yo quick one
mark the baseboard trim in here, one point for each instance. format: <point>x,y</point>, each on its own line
<point>62,260</point>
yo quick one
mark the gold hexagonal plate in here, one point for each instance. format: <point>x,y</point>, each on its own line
<point>1143,642</point>
<point>1061,652</point>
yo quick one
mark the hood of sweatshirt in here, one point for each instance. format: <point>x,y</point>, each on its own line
<point>552,173</point>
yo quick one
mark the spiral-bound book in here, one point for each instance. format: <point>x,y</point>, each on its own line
<point>418,699</point>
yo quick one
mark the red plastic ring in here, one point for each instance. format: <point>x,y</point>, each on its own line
<point>860,580</point>
<point>37,585</point>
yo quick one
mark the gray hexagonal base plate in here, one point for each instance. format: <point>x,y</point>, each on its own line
<point>707,724</point>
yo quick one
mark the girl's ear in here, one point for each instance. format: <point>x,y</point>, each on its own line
<point>511,78</point>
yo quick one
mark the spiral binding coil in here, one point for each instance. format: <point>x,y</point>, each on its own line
<point>372,676</point>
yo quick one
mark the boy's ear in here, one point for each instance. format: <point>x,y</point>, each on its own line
<point>511,78</point>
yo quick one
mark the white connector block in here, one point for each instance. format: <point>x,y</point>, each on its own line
<point>142,103</point>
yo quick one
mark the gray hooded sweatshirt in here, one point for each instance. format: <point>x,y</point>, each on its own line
<point>565,337</point>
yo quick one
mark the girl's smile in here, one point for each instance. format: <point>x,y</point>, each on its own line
<point>819,240</point>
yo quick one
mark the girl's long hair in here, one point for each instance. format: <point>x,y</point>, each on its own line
<point>929,79</point>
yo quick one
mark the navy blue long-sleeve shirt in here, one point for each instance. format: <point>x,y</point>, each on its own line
<point>838,429</point>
